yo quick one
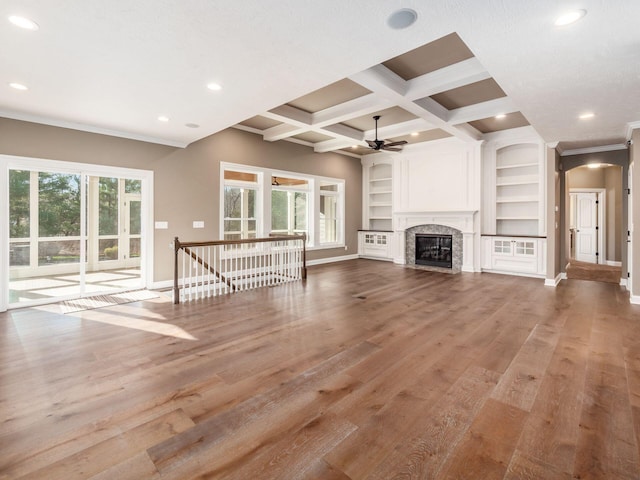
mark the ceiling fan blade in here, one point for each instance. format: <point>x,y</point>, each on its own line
<point>395,144</point>
<point>371,143</point>
<point>391,149</point>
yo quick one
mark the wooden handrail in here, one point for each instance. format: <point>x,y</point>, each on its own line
<point>187,247</point>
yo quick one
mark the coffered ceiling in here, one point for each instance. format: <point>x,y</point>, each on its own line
<point>437,90</point>
<point>316,72</point>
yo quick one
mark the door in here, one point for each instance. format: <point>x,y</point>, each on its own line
<point>586,241</point>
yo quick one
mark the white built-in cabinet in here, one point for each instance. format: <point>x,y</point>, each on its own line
<point>374,241</point>
<point>519,255</point>
<point>514,204</point>
<point>374,244</point>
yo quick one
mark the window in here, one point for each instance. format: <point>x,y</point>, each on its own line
<point>256,202</point>
<point>329,200</point>
<point>240,193</point>
<point>289,212</point>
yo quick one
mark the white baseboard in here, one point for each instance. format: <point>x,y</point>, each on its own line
<point>634,299</point>
<point>162,285</point>
<point>613,263</point>
<point>341,258</point>
<point>623,282</point>
<point>553,282</point>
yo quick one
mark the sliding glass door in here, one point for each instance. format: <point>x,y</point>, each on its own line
<point>73,234</point>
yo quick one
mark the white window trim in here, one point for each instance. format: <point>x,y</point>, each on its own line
<point>313,201</point>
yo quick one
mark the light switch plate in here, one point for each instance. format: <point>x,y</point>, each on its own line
<point>162,225</point>
<point>198,224</point>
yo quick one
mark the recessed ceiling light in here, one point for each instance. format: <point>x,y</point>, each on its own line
<point>594,165</point>
<point>214,86</point>
<point>403,18</point>
<point>569,17</point>
<point>500,116</point>
<point>587,115</point>
<point>414,134</point>
<point>163,118</point>
<point>192,125</point>
<point>23,22</point>
<point>18,86</point>
<point>354,146</point>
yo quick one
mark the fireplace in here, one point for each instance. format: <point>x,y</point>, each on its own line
<point>438,248</point>
<point>434,250</point>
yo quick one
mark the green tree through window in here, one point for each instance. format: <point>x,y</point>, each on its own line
<point>59,205</point>
<point>19,198</point>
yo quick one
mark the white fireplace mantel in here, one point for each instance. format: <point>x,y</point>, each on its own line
<point>463,220</point>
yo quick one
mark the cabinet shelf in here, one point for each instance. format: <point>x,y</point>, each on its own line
<point>515,181</point>
<point>379,204</point>
<point>386,179</point>
<point>523,199</point>
<point>517,218</point>
<point>376,192</point>
<point>379,218</point>
<point>521,165</point>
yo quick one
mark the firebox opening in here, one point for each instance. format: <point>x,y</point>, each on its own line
<point>434,250</point>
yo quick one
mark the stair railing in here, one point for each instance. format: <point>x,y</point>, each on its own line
<point>206,269</point>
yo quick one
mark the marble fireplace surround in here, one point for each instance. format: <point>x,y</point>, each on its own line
<point>459,224</point>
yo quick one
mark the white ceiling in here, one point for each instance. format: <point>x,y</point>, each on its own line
<point>115,66</point>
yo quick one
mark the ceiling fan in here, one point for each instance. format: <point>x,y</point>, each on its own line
<point>381,145</point>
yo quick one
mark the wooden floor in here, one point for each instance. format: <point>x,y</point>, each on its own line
<point>592,271</point>
<point>367,371</point>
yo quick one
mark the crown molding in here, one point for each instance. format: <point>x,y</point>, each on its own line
<point>25,117</point>
<point>599,149</point>
<point>631,126</point>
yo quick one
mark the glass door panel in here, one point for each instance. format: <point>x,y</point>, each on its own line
<point>45,235</point>
<point>72,235</point>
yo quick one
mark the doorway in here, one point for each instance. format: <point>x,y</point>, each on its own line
<point>74,230</point>
<point>594,227</point>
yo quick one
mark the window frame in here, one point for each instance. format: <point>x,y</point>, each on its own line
<point>263,201</point>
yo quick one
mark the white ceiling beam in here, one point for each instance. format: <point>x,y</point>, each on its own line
<point>400,129</point>
<point>333,144</point>
<point>487,109</point>
<point>351,109</point>
<point>397,130</point>
<point>381,80</point>
<point>291,115</point>
<point>342,131</point>
<point>447,78</point>
<point>281,131</point>
<point>386,83</point>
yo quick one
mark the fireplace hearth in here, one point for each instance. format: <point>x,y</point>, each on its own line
<point>434,250</point>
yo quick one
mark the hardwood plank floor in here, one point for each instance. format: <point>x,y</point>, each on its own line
<point>366,371</point>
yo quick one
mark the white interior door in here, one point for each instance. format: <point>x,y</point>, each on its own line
<point>586,244</point>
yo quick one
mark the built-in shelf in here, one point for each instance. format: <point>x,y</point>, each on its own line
<point>519,189</point>
<point>524,199</point>
<point>504,167</point>
<point>378,186</point>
